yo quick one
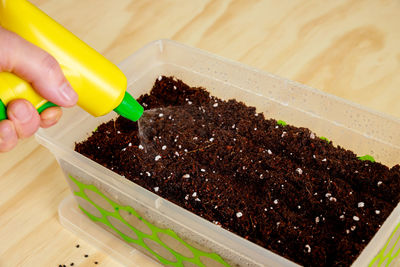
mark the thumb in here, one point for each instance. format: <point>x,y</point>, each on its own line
<point>37,67</point>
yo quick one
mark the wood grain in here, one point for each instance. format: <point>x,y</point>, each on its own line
<point>348,48</point>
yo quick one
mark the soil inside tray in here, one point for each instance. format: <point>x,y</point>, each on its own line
<point>279,186</point>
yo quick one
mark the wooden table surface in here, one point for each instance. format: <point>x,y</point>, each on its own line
<point>347,48</point>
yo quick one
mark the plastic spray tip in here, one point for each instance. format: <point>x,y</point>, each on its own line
<point>129,108</point>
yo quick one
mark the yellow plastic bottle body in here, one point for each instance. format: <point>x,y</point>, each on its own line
<point>12,87</point>
<point>99,84</point>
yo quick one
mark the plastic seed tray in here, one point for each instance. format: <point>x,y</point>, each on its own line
<point>172,235</point>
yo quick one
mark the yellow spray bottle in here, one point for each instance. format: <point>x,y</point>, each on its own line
<point>100,85</point>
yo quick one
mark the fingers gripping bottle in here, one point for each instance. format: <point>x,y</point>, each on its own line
<point>100,85</point>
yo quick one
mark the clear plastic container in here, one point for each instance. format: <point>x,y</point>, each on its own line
<point>97,188</point>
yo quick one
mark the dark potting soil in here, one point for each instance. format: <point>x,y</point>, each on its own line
<point>280,187</point>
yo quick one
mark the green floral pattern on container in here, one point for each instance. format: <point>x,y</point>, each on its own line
<point>180,259</point>
<point>324,138</point>
<point>367,158</point>
<point>387,254</point>
<point>384,257</point>
<point>281,123</point>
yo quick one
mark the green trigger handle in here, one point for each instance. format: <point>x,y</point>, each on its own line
<point>3,109</point>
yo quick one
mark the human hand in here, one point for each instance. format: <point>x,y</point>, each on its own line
<point>42,71</point>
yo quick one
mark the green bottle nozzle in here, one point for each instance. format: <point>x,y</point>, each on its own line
<point>129,108</point>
